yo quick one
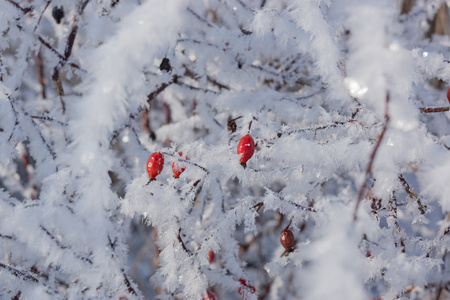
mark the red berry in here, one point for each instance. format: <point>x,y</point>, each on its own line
<point>245,287</point>
<point>287,239</point>
<point>209,296</point>
<point>155,165</point>
<point>211,256</point>
<point>177,168</point>
<point>246,148</point>
<point>448,94</point>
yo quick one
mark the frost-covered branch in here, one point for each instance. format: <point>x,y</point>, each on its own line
<point>372,157</point>
<point>219,154</point>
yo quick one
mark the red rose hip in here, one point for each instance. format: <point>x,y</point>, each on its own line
<point>245,287</point>
<point>211,256</point>
<point>155,165</point>
<point>448,94</point>
<point>177,167</point>
<point>287,239</point>
<point>209,296</point>
<point>245,149</point>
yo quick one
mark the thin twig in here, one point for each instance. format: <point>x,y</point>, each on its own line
<point>258,206</point>
<point>46,44</point>
<point>307,208</point>
<point>182,243</point>
<point>411,194</point>
<point>203,20</point>
<point>434,109</point>
<point>40,72</point>
<point>372,157</point>
<point>160,89</point>
<point>185,161</point>
<point>194,41</point>
<point>182,84</point>
<point>8,237</point>
<point>128,283</point>
<point>62,246</point>
<point>56,52</point>
<point>48,119</point>
<point>41,14</point>
<point>300,130</point>
<point>24,10</point>
<point>216,83</point>
<point>70,42</point>
<point>18,273</point>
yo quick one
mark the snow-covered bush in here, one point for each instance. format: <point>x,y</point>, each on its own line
<point>344,99</point>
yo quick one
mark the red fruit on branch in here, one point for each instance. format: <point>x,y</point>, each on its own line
<point>245,287</point>
<point>287,239</point>
<point>209,296</point>
<point>177,168</point>
<point>211,256</point>
<point>448,94</point>
<point>245,149</point>
<point>155,165</point>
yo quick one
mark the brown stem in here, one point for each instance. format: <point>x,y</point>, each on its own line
<point>307,208</point>
<point>64,247</point>
<point>290,222</point>
<point>40,72</point>
<point>332,125</point>
<point>182,243</point>
<point>167,113</point>
<point>8,237</point>
<point>50,47</point>
<point>411,194</point>
<point>160,89</point>
<point>201,19</point>
<point>45,118</point>
<point>185,161</point>
<point>70,42</point>
<point>216,83</point>
<point>434,109</point>
<point>372,157</point>
<point>182,84</point>
<point>41,14</point>
<point>18,273</point>
<point>24,10</point>
<point>128,283</point>
<point>145,121</point>
<point>258,206</point>
<point>57,84</point>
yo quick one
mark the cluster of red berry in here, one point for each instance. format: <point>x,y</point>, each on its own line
<point>155,163</point>
<point>245,150</point>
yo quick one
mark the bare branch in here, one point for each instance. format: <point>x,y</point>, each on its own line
<point>24,10</point>
<point>411,194</point>
<point>18,273</point>
<point>62,246</point>
<point>372,157</point>
<point>128,283</point>
<point>160,89</point>
<point>203,20</point>
<point>434,109</point>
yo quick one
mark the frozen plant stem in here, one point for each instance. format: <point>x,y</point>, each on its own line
<point>434,109</point>
<point>372,157</point>
<point>411,194</point>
